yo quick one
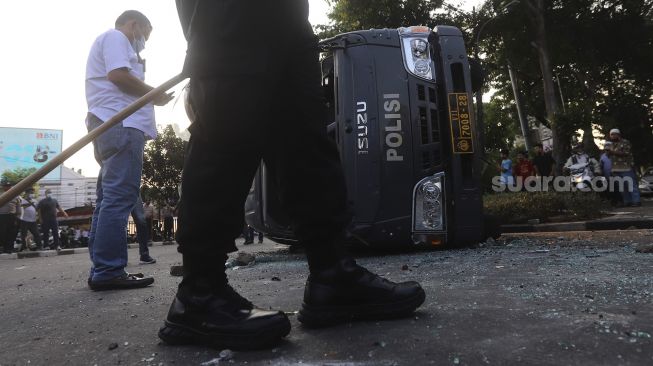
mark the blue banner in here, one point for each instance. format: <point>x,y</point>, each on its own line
<point>29,148</point>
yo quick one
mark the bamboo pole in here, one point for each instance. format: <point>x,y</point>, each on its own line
<point>28,181</point>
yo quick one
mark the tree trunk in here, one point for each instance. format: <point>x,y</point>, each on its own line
<point>588,140</point>
<point>561,150</point>
<point>588,104</point>
<point>537,10</point>
<point>550,100</point>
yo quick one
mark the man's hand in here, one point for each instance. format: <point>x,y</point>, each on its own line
<point>164,98</point>
<point>132,85</point>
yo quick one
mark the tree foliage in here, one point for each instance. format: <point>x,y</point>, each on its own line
<point>162,165</point>
<point>16,175</point>
<point>501,125</point>
<point>600,53</point>
<point>350,15</point>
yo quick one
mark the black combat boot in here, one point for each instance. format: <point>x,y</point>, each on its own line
<point>222,320</point>
<point>207,311</point>
<point>348,292</point>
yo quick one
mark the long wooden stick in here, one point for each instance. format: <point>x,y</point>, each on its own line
<point>28,181</point>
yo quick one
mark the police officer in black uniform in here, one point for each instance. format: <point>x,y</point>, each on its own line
<point>256,94</point>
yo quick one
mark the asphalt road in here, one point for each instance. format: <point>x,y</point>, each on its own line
<point>550,299</point>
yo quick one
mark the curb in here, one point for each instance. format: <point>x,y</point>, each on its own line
<point>620,224</point>
<point>597,225</point>
<point>54,253</point>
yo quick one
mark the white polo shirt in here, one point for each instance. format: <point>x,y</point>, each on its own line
<point>110,51</point>
<point>29,212</point>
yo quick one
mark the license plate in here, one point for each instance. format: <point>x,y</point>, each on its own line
<point>460,117</point>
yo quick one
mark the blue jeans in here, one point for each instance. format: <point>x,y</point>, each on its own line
<point>119,151</point>
<point>628,195</point>
<point>142,232</point>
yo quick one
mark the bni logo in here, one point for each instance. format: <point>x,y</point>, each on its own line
<point>47,136</point>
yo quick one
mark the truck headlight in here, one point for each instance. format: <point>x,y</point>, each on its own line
<point>428,204</point>
<point>417,51</point>
<point>422,67</point>
<point>420,48</point>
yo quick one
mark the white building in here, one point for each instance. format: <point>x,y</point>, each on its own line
<point>74,189</point>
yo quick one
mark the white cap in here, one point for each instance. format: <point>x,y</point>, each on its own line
<point>615,130</point>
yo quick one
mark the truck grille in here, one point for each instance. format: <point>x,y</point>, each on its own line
<point>429,147</point>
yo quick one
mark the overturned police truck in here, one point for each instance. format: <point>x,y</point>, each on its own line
<point>402,118</point>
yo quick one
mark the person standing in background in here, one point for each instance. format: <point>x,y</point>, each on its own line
<point>167,212</point>
<point>505,168</point>
<point>8,222</point>
<point>543,162</point>
<point>48,208</point>
<point>28,221</point>
<point>148,210</point>
<point>622,166</point>
<point>606,169</point>
<point>142,234</point>
<point>524,168</point>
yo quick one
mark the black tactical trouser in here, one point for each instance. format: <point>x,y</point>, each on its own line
<point>7,232</point>
<point>47,225</point>
<point>276,115</point>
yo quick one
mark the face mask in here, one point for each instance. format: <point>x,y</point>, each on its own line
<point>138,44</point>
<point>48,195</point>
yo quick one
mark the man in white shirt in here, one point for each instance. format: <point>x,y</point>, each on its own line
<point>579,156</point>
<point>114,79</point>
<point>28,220</point>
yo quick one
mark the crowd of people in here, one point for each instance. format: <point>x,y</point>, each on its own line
<point>23,215</point>
<point>616,160</point>
<point>29,224</point>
